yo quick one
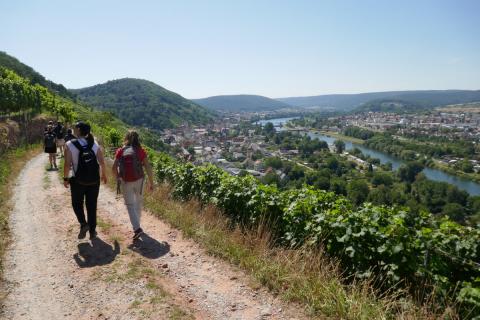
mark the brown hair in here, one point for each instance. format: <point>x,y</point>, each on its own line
<point>132,139</point>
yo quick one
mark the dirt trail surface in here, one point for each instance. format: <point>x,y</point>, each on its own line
<point>52,275</point>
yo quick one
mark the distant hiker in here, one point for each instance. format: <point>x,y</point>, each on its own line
<point>59,131</point>
<point>69,136</point>
<point>128,168</point>
<point>50,146</point>
<point>50,124</point>
<point>85,157</point>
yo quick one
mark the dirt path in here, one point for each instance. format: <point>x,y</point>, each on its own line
<point>52,275</point>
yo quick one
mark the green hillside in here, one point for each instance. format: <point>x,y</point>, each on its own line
<point>29,73</point>
<point>421,98</point>
<point>144,103</point>
<point>241,103</point>
<point>391,105</point>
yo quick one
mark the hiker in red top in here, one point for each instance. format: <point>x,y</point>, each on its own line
<point>128,168</point>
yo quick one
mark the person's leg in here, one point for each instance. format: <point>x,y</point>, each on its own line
<point>78,196</point>
<point>91,204</point>
<point>54,159</point>
<point>129,197</point>
<point>50,160</point>
<point>139,199</point>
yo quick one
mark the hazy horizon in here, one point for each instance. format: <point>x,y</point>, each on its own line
<point>271,48</point>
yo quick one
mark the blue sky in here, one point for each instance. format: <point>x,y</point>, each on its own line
<point>273,48</point>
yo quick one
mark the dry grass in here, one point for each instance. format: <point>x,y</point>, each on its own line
<point>11,163</point>
<point>305,276</point>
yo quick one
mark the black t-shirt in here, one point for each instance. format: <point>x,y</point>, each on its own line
<point>59,131</point>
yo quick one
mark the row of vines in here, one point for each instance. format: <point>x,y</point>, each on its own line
<point>389,244</point>
<point>18,96</point>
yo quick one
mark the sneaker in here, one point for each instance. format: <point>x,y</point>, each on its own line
<point>83,231</point>
<point>93,235</point>
<point>137,233</point>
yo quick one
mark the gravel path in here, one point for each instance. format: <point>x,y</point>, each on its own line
<point>52,275</point>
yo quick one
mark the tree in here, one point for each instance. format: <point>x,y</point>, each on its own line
<point>339,146</point>
<point>409,171</point>
<point>113,137</point>
<point>271,178</point>
<point>269,129</point>
<point>381,178</point>
<point>274,162</point>
<point>466,166</point>
<point>381,195</point>
<point>357,191</point>
<point>454,211</point>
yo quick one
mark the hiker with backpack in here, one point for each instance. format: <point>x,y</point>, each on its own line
<point>69,136</point>
<point>50,146</point>
<point>59,131</point>
<point>85,157</point>
<point>128,168</point>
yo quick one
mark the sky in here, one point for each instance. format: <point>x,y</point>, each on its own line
<point>274,48</point>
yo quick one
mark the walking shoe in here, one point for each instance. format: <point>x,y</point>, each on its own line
<point>137,233</point>
<point>93,235</point>
<point>83,231</point>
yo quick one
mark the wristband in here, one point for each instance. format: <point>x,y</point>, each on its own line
<point>66,179</point>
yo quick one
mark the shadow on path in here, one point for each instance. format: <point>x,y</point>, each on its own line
<point>149,247</point>
<point>96,253</point>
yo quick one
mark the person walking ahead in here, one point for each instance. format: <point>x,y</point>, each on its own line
<point>86,158</point>
<point>50,146</point>
<point>128,168</point>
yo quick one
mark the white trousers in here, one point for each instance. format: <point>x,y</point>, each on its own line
<point>133,196</point>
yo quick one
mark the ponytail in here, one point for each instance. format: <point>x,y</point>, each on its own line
<point>90,139</point>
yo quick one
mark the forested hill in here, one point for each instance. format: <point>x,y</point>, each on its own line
<point>144,103</point>
<point>29,73</point>
<point>241,103</point>
<point>420,98</point>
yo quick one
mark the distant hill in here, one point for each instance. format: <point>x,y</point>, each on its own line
<point>391,105</point>
<point>243,102</point>
<point>33,76</point>
<point>422,98</point>
<point>144,103</point>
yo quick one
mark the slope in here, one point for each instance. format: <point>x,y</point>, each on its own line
<point>33,76</point>
<point>241,103</point>
<point>144,103</point>
<point>347,102</point>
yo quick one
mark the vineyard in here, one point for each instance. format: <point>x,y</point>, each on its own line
<point>19,96</point>
<point>388,244</point>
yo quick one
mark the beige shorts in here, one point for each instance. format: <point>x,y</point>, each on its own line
<point>60,142</point>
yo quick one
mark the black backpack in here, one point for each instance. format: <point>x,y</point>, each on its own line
<point>50,140</point>
<point>60,132</point>
<point>88,170</point>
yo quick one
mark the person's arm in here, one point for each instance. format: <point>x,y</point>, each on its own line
<point>101,162</point>
<point>66,166</point>
<point>148,167</point>
<point>115,168</point>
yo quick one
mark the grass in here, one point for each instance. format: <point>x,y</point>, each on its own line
<point>305,276</point>
<point>11,163</point>
<point>340,136</point>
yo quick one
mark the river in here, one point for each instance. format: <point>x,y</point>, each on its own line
<point>471,187</point>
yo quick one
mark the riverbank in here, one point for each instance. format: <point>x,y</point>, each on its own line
<point>338,136</point>
<point>439,165</point>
